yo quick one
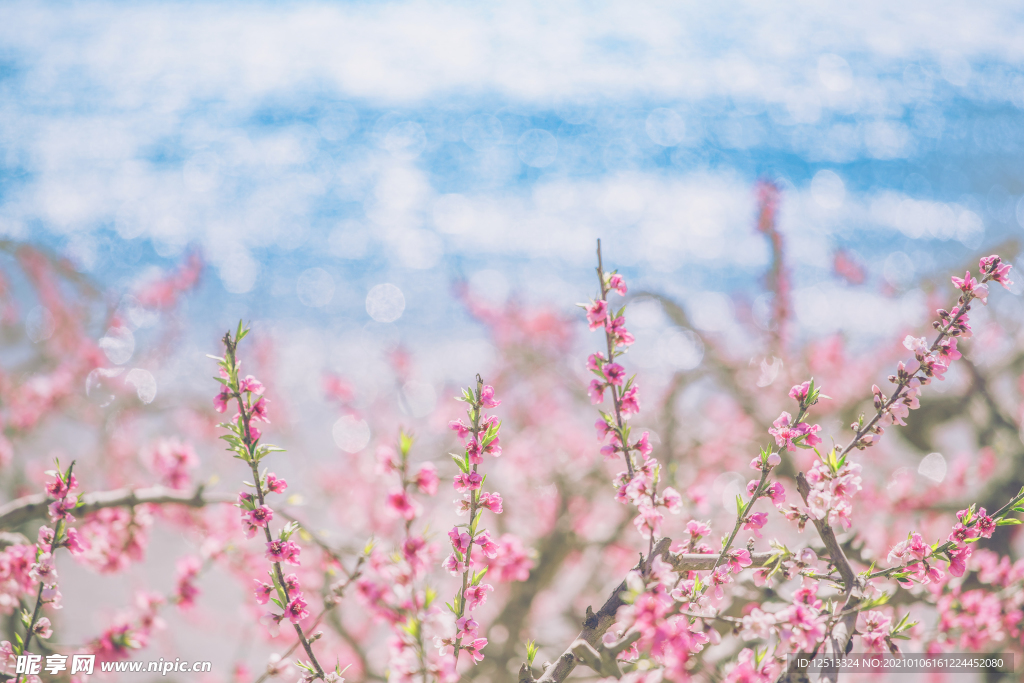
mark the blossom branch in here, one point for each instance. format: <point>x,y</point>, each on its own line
<point>244,439</point>
<point>951,326</point>
<point>44,571</point>
<point>480,437</point>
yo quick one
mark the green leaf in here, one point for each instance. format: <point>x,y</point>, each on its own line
<point>462,462</point>
<point>1007,521</point>
<point>531,651</point>
<point>404,443</point>
<point>479,575</point>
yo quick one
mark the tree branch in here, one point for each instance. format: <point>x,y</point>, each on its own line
<point>598,623</point>
<point>842,633</point>
<point>27,508</point>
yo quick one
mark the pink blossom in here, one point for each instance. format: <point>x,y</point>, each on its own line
<point>597,312</point>
<point>777,493</point>
<point>672,500</point>
<point>56,487</point>
<point>254,433</point>
<point>460,539</point>
<point>487,397</point>
<point>648,521</point>
<point>719,578</point>
<point>596,391</point>
<point>487,546</point>
<point>800,626</point>
<point>965,284</point>
<point>466,627</point>
<point>477,595</point>
<point>756,522</point>
<point>615,373</point>
<point>788,434</point>
<point>473,451</point>
<point>617,330</point>
<point>468,481</point>
<point>42,628</point>
<point>603,429</point>
<point>252,385</point>
<point>275,484</point>
<point>738,559</point>
<point>220,401</point>
<point>919,345</point>
<point>595,361</point>
<point>426,479</point>
<point>874,630</point>
<point>611,449</point>
<point>454,565</point>
<point>512,562</point>
<point>283,551</point>
<point>800,391</point>
<point>296,609</point>
<point>462,505</point>
<point>948,350</point>
<point>783,432</point>
<point>75,542</point>
<point>263,591</point>
<point>259,410</point>
<point>1000,272</point>
<point>444,645</point>
<point>958,560</point>
<point>173,460</point>
<point>187,571</point>
<point>257,518</point>
<point>984,524</point>
<point>52,596</point>
<point>698,530</point>
<point>460,428</point>
<point>617,283</point>
<point>62,509</point>
<point>474,649</point>
<point>490,501</point>
<point>644,445</point>
<point>757,625</point>
<point>630,401</point>
<point>401,505</point>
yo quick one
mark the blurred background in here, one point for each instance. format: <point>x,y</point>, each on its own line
<point>401,195</point>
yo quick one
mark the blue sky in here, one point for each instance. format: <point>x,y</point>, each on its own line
<point>415,143</point>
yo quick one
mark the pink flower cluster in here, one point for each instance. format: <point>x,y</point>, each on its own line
<point>186,590</point>
<point>256,515</point>
<point>250,388</point>
<point>395,592</point>
<point>173,461</point>
<point>914,553</point>
<point>833,484</point>
<point>789,436</point>
<point>640,489</point>
<point>670,637</point>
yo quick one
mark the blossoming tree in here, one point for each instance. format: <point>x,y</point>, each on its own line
<point>643,555</point>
